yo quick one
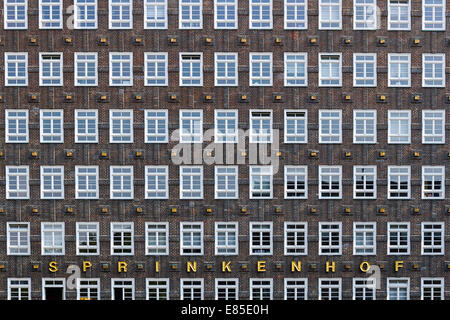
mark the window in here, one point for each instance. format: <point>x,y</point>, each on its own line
<point>86,67</point>
<point>86,182</point>
<point>227,289</point>
<point>191,126</point>
<point>295,238</point>
<point>330,70</point>
<point>16,126</point>
<point>226,126</point>
<point>122,238</point>
<point>433,182</point>
<point>17,182</point>
<point>261,242</point>
<point>225,69</point>
<point>364,14</point>
<point>226,236</point>
<point>52,126</point>
<point>225,14</point>
<point>295,14</point>
<point>432,288</point>
<point>191,69</point>
<point>433,70</point>
<point>50,14</point>
<point>190,14</point>
<point>88,289</point>
<point>433,15</point>
<point>295,126</point>
<point>261,289</point>
<point>399,182</point>
<point>191,236</point>
<point>121,182</point>
<point>19,289</point>
<point>157,288</point>
<point>364,289</point>
<point>86,126</point>
<point>52,238</point>
<point>88,242</point>
<point>433,126</point>
<point>399,15</point>
<point>330,289</point>
<point>260,69</point>
<point>16,69</point>
<point>295,289</point>
<point>156,69</point>
<point>330,126</point>
<point>191,182</point>
<point>50,69</point>
<point>330,15</point>
<point>52,182</point>
<point>156,182</point>
<point>120,126</point>
<point>295,182</point>
<point>53,288</point>
<point>330,241</point>
<point>399,127</point>
<point>15,14</point>
<point>397,288</point>
<point>295,69</point>
<point>364,126</point>
<point>398,238</point>
<point>191,289</point>
<point>261,182</point>
<point>18,238</point>
<point>364,182</point>
<point>121,68</point>
<point>85,14</point>
<point>120,14</point>
<point>260,126</point>
<point>226,182</point>
<point>399,70</point>
<point>433,239</point>
<point>122,289</point>
<point>330,182</point>
<point>155,14</point>
<point>156,126</point>
<point>364,69</point>
<point>364,238</point>
<point>156,238</point>
<point>260,14</point>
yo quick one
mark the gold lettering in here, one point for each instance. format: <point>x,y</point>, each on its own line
<point>122,266</point>
<point>86,265</point>
<point>398,264</point>
<point>226,266</point>
<point>191,266</point>
<point>53,266</point>
<point>364,266</point>
<point>296,266</point>
<point>332,266</point>
<point>157,266</point>
<point>261,266</point>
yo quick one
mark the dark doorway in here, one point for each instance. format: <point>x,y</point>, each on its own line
<point>54,294</point>
<point>118,293</point>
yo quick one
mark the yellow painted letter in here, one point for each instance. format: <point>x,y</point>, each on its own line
<point>191,266</point>
<point>398,265</point>
<point>122,266</point>
<point>226,266</point>
<point>261,266</point>
<point>296,266</point>
<point>332,266</point>
<point>364,266</point>
<point>157,266</point>
<point>86,265</point>
<point>53,266</point>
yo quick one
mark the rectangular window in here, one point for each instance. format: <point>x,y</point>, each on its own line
<point>295,14</point>
<point>295,69</point>
<point>120,14</point>
<point>260,69</point>
<point>397,288</point>
<point>433,126</point>
<point>226,182</point>
<point>16,126</point>
<point>261,182</point>
<point>18,238</point>
<point>157,288</point>
<point>433,238</point>
<point>227,289</point>
<point>261,126</point>
<point>433,70</point>
<point>261,289</point>
<point>432,288</point>
<point>191,126</point>
<point>399,15</point>
<point>260,14</point>
<point>261,242</point>
<point>330,238</point>
<point>56,286</point>
<point>398,238</point>
<point>330,15</point>
<point>295,289</point>
<point>88,289</point>
<point>399,182</point>
<point>225,14</point>
<point>190,14</point>
<point>191,69</point>
<point>191,182</point>
<point>226,236</point>
<point>330,70</point>
<point>433,15</point>
<point>295,238</point>
<point>156,238</point>
<point>330,182</point>
<point>17,182</point>
<point>191,238</point>
<point>295,182</point>
<point>156,126</point>
<point>433,182</point>
<point>225,69</point>
<point>15,14</point>
<point>52,238</point>
<point>191,289</point>
<point>364,182</point>
<point>364,69</point>
<point>330,289</point>
<point>226,126</point>
<point>86,69</point>
<point>156,182</point>
<point>121,182</point>
<point>330,126</point>
<point>51,126</point>
<point>86,126</point>
<point>88,239</point>
<point>364,238</point>
<point>399,70</point>
<point>364,126</point>
<point>295,126</point>
<point>16,69</point>
<point>121,68</point>
<point>122,238</point>
<point>86,182</point>
<point>122,289</point>
<point>19,288</point>
<point>399,126</point>
<point>50,14</point>
<point>364,14</point>
<point>50,69</point>
<point>155,14</point>
<point>52,182</point>
<point>85,14</point>
<point>364,289</point>
<point>120,126</point>
<point>156,69</point>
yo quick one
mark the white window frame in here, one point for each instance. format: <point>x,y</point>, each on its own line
<point>55,230</point>
<point>86,119</point>
<point>190,23</point>
<point>397,284</point>
<point>121,193</point>
<point>122,80</point>
<point>20,249</point>
<point>435,285</point>
<point>330,172</point>
<point>191,80</point>
<point>159,286</point>
<point>397,136</point>
<point>122,22</point>
<point>258,285</point>
<point>186,172</point>
<point>159,176</point>
<point>88,65</point>
<point>14,64</point>
<point>83,22</point>
<point>327,235</point>
<point>22,286</point>
<point>256,76</point>
<point>434,61</point>
<point>256,9</point>
<point>396,80</point>
<point>295,63</point>
<point>258,118</point>
<point>398,24</point>
<point>298,119</point>
<point>394,234</point>
<point>366,287</point>
<point>362,118</point>
<point>122,228</point>
<point>52,6</point>
<point>226,133</point>
<point>228,176</point>
<point>364,230</point>
<point>118,119</point>
<point>194,132</point>
<point>157,121</point>
<point>57,80</point>
<point>87,175</point>
<point>430,122</point>
<point>14,23</point>
<point>369,22</point>
<point>398,172</point>
<point>364,60</point>
<point>159,233</point>
<point>12,193</point>
<point>326,22</point>
<point>224,61</point>
<point>299,175</point>
<point>433,232</point>
<point>15,115</point>
<point>229,19</point>
<point>434,24</point>
<point>223,231</point>
<point>330,284</point>
<point>429,190</point>
<point>299,8</point>
<point>331,80</point>
<point>296,286</point>
<point>261,248</point>
<point>156,62</point>
<point>52,118</point>
<point>191,228</point>
<point>156,21</point>
<point>90,230</point>
<point>226,288</point>
<point>90,287</point>
<point>260,174</point>
<point>364,172</point>
<point>52,173</point>
<point>193,285</point>
<point>125,284</point>
<point>293,233</point>
<point>326,134</point>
